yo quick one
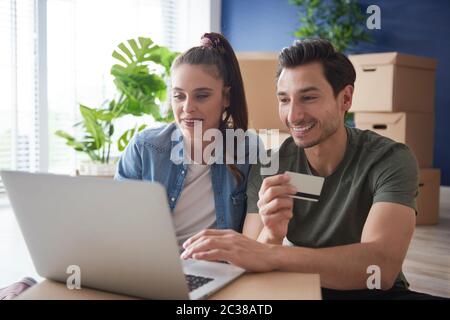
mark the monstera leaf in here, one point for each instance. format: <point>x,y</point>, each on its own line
<point>140,74</point>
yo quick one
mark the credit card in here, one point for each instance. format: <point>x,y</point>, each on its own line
<point>308,187</point>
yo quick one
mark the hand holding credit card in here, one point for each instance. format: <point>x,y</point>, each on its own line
<point>308,187</point>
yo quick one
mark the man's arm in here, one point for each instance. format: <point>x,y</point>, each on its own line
<point>254,229</point>
<point>274,209</point>
<point>384,243</point>
<point>253,226</point>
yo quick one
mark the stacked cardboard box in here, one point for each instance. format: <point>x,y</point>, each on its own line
<point>259,75</point>
<point>394,96</point>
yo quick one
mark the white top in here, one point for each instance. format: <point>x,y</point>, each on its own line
<point>195,209</point>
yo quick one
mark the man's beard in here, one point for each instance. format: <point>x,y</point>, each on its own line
<point>327,131</point>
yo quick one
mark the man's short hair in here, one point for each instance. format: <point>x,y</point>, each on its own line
<point>338,69</point>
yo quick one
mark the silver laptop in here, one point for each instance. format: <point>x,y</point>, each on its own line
<point>118,233</point>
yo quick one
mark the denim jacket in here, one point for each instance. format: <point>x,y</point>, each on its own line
<point>148,157</point>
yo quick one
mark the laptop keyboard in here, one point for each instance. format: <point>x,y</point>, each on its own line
<point>195,282</point>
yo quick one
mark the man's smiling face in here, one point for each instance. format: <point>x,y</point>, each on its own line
<point>307,104</point>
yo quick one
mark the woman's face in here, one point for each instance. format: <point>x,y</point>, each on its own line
<point>198,97</point>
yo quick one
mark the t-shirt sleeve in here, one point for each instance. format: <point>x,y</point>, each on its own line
<point>254,184</point>
<point>130,163</point>
<point>396,177</point>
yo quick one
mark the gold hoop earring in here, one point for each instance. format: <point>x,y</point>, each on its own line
<point>226,116</point>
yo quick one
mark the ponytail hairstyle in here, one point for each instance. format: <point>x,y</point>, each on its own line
<point>215,50</point>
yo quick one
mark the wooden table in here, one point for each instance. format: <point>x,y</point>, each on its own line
<point>251,286</point>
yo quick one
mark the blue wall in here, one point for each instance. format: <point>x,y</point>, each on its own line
<point>417,27</point>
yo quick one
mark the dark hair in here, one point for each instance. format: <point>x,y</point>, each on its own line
<point>338,69</point>
<point>215,50</point>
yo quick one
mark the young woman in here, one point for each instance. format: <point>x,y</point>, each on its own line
<point>206,93</point>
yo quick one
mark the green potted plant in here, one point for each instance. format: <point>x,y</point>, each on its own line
<point>140,76</point>
<point>342,22</point>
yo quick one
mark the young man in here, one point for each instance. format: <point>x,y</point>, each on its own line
<point>365,218</point>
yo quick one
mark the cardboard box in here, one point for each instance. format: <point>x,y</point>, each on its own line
<point>259,75</point>
<point>428,198</point>
<point>393,82</point>
<point>413,129</point>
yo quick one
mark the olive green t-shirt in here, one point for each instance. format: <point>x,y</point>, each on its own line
<point>374,169</point>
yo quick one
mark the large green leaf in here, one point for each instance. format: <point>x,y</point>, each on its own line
<point>130,52</point>
<point>64,135</point>
<point>126,137</point>
<point>92,126</point>
<point>105,115</point>
<point>136,78</point>
<point>81,146</point>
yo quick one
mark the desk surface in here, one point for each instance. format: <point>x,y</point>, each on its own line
<point>251,286</point>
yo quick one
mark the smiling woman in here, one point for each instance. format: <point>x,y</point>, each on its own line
<point>207,93</point>
<point>198,98</point>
